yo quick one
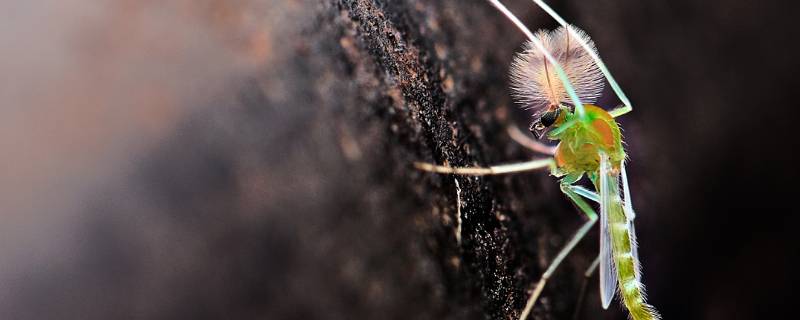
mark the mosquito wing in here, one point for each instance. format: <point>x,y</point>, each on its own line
<point>630,215</point>
<point>608,275</point>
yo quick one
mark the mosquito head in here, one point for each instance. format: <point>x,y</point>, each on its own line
<point>541,125</point>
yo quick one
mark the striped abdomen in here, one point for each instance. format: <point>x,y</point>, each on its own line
<point>626,260</point>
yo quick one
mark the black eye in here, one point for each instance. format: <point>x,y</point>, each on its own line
<point>549,117</point>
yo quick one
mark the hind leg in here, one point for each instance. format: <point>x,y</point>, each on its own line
<point>570,192</point>
<point>586,276</point>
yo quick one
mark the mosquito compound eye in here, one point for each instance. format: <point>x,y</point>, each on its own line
<point>548,118</point>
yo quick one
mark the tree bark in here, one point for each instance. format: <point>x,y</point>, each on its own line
<point>375,86</point>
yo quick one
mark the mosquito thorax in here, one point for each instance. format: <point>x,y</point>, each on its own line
<point>583,141</point>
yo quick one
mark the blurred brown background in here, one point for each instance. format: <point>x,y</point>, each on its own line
<point>251,160</point>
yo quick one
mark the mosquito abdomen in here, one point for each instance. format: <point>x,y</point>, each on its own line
<point>630,287</point>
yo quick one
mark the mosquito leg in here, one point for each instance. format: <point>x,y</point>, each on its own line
<point>586,193</point>
<point>586,275</point>
<point>493,170</point>
<point>592,215</point>
<point>526,141</point>
<point>620,110</point>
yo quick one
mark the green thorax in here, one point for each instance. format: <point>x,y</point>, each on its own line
<point>583,140</point>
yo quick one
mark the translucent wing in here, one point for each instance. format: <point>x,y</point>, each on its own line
<point>628,205</point>
<point>635,251</point>
<point>630,214</point>
<point>608,275</point>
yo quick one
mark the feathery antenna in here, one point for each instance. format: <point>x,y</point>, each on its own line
<point>590,50</point>
<point>531,76</point>
<point>538,44</point>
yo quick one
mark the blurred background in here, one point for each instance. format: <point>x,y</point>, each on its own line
<point>251,159</point>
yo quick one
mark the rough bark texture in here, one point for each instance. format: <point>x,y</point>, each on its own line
<point>313,165</point>
<point>392,83</point>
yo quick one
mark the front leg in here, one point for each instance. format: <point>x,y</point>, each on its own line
<point>620,110</point>
<point>492,170</point>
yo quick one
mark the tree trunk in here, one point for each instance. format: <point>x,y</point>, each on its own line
<point>371,87</point>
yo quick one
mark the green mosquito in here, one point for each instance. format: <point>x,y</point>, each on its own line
<point>559,74</point>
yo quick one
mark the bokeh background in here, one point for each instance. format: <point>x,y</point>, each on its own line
<point>250,159</point>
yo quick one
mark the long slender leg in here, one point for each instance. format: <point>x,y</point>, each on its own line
<point>526,141</point>
<point>620,110</point>
<point>586,209</point>
<point>493,170</point>
<point>583,192</point>
<point>586,275</point>
<point>591,195</point>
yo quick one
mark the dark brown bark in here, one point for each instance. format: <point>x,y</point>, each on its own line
<point>384,84</point>
<point>357,91</point>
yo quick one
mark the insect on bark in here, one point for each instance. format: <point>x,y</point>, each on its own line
<point>559,75</point>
